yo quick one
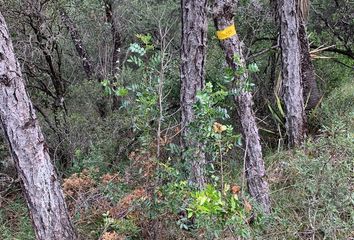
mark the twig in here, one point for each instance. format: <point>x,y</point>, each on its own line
<point>262,52</point>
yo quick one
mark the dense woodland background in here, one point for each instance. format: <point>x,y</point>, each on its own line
<point>104,79</point>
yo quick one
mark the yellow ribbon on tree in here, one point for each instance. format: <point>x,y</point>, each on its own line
<point>227,32</point>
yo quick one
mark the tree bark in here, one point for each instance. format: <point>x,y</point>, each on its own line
<point>193,57</point>
<point>291,71</point>
<point>255,172</point>
<point>40,183</point>
<point>311,91</point>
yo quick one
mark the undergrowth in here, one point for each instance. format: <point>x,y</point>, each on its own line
<point>311,191</point>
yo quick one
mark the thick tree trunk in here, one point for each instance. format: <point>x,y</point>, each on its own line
<point>291,71</point>
<point>311,93</point>
<point>41,187</point>
<point>193,56</point>
<point>255,171</point>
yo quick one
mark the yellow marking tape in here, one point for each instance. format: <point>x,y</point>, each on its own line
<point>226,33</point>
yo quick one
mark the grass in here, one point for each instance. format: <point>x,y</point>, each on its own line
<point>14,221</point>
<point>312,188</point>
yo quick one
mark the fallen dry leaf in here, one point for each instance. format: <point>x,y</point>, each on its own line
<point>248,206</point>
<point>235,189</point>
<point>218,128</point>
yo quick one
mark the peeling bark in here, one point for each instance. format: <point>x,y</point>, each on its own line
<point>193,57</point>
<point>255,172</point>
<point>40,183</point>
<point>291,72</point>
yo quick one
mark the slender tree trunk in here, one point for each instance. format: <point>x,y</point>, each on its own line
<point>101,102</point>
<point>311,92</point>
<point>52,55</point>
<point>255,172</point>
<point>76,38</point>
<point>117,45</point>
<point>193,57</point>
<point>54,67</point>
<point>291,71</point>
<point>116,36</point>
<point>40,183</point>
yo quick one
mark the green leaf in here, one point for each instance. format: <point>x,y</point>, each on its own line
<point>202,199</point>
<point>279,105</point>
<point>253,68</point>
<point>121,92</point>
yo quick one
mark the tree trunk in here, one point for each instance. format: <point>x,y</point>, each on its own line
<point>312,94</point>
<point>117,45</point>
<point>116,37</point>
<point>291,72</point>
<point>193,57</point>
<point>40,183</point>
<point>76,38</point>
<point>255,172</point>
<point>101,103</point>
<point>54,71</point>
